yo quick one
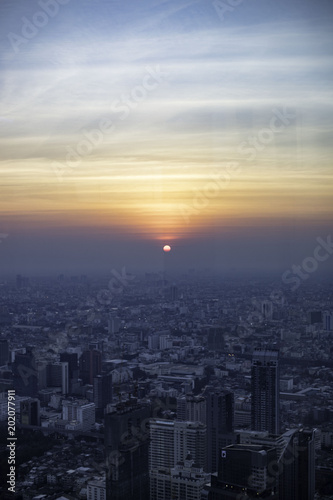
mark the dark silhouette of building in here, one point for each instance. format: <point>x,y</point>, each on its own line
<point>102,393</point>
<point>315,317</point>
<point>265,387</point>
<point>29,412</point>
<point>72,360</point>
<point>4,352</point>
<point>73,368</point>
<point>25,374</point>
<point>220,423</point>
<point>90,365</point>
<point>297,478</point>
<point>126,448</point>
<point>245,472</point>
<point>57,376</point>
<point>215,338</point>
<point>266,465</point>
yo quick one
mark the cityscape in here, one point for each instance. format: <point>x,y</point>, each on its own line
<point>166,250</point>
<point>191,387</point>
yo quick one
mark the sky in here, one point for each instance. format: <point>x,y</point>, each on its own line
<point>206,125</point>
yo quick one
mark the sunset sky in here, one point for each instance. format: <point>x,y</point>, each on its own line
<point>128,125</point>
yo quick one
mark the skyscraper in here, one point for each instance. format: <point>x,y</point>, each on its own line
<point>220,423</point>
<point>57,375</point>
<point>265,383</point>
<point>170,442</point>
<point>4,352</point>
<point>126,448</point>
<point>90,365</point>
<point>102,392</point>
<point>297,478</point>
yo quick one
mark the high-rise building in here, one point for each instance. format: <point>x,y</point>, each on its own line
<point>81,412</point>
<point>25,374</point>
<point>215,338</point>
<point>126,448</point>
<point>102,392</point>
<point>96,489</point>
<point>184,481</point>
<point>297,466</point>
<point>4,352</point>
<point>162,445</point>
<point>72,360</point>
<point>328,321</point>
<point>73,369</point>
<point>90,365</point>
<point>57,376</point>
<point>29,412</point>
<point>191,408</point>
<point>220,423</point>
<point>171,441</point>
<point>265,387</point>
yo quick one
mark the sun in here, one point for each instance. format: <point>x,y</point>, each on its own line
<point>166,248</point>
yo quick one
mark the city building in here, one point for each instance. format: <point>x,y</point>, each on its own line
<point>184,481</point>
<point>265,391</point>
<point>79,411</point>
<point>4,352</point>
<point>57,376</point>
<point>220,423</point>
<point>25,374</point>
<point>191,408</point>
<point>90,365</point>
<point>96,489</point>
<point>171,441</point>
<point>126,448</point>
<point>102,392</point>
<point>30,412</point>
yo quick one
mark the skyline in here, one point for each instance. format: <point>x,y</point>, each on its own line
<point>126,127</point>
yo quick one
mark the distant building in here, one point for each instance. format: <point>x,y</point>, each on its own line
<point>328,321</point>
<point>79,411</point>
<point>215,338</point>
<point>265,391</point>
<point>90,365</point>
<point>25,374</point>
<point>316,317</point>
<point>30,412</point>
<point>102,392</point>
<point>267,309</point>
<point>4,352</point>
<point>191,408</point>
<point>57,376</point>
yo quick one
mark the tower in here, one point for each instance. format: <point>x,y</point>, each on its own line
<point>265,382</point>
<point>126,448</point>
<point>220,423</point>
<point>90,365</point>
<point>102,392</point>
